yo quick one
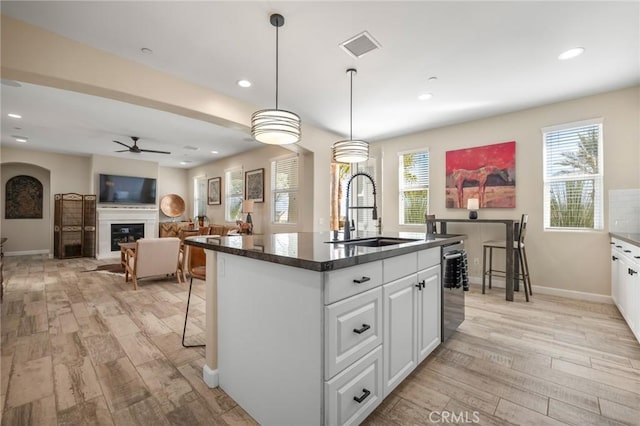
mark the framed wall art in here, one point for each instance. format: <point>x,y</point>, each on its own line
<point>214,194</point>
<point>487,173</point>
<point>23,198</point>
<point>254,185</point>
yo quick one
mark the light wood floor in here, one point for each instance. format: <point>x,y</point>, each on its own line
<point>81,348</point>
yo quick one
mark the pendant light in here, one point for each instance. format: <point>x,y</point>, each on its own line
<point>275,126</point>
<point>351,151</point>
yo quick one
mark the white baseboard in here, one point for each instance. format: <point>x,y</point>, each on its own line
<point>210,377</point>
<point>27,253</point>
<point>552,291</point>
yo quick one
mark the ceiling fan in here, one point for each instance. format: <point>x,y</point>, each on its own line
<point>136,149</point>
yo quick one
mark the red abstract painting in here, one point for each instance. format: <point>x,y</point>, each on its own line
<point>484,172</point>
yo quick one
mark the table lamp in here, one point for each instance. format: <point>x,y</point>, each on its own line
<point>247,207</point>
<point>473,204</point>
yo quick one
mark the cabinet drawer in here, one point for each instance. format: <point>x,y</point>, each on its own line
<point>352,328</point>
<point>347,282</point>
<point>629,250</point>
<point>363,380</point>
<point>428,258</point>
<point>399,266</point>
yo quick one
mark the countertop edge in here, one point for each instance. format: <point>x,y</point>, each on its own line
<point>328,265</point>
<point>626,237</point>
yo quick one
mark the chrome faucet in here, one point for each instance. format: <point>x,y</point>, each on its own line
<point>347,222</point>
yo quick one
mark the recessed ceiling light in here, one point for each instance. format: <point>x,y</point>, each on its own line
<point>21,139</point>
<point>425,96</point>
<point>146,51</point>
<point>571,53</point>
<point>214,152</point>
<point>12,115</point>
<point>184,162</point>
<point>244,83</point>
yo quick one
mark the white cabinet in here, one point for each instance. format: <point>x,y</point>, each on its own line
<point>412,328</point>
<point>353,327</point>
<point>302,347</point>
<point>400,330</point>
<point>353,394</point>
<point>625,282</point>
<point>429,328</point>
<point>615,283</point>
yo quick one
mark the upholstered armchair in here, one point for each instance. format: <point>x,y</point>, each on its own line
<point>152,257</point>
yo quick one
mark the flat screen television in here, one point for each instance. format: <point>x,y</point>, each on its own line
<point>127,189</point>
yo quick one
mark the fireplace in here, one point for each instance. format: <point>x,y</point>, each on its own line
<point>124,217</point>
<point>125,233</point>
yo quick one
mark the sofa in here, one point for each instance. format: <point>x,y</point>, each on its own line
<point>179,229</point>
<point>172,229</point>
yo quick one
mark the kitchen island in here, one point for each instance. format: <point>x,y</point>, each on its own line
<point>305,330</point>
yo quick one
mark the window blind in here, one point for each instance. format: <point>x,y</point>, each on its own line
<point>200,196</point>
<point>284,187</point>
<point>573,177</point>
<point>413,187</point>
<point>234,192</point>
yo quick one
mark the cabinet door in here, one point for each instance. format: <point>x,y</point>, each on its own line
<point>624,287</point>
<point>634,282</point>
<point>428,311</point>
<point>400,330</point>
<point>630,281</point>
<point>615,284</point>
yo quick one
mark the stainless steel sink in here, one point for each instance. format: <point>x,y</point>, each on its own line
<point>375,241</point>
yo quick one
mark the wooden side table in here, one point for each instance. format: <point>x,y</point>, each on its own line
<point>123,253</point>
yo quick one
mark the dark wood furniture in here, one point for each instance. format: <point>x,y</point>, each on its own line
<point>511,274</point>
<point>74,229</point>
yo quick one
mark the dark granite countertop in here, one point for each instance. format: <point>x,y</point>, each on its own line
<point>311,250</point>
<point>629,237</point>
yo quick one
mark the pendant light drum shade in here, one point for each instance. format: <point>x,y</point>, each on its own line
<point>276,126</point>
<point>350,151</point>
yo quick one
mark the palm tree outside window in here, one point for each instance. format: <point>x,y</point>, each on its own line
<point>573,176</point>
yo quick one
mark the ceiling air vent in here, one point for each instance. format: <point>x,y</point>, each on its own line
<point>359,45</point>
<point>190,148</point>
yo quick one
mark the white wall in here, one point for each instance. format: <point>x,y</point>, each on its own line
<point>172,180</point>
<point>67,173</point>
<point>26,236</point>
<point>71,173</point>
<point>257,159</point>
<point>566,260</point>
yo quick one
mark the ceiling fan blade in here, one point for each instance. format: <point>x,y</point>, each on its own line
<point>123,144</point>
<point>154,151</point>
<point>124,150</point>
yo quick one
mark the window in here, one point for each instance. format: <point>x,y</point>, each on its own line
<point>200,196</point>
<point>573,176</point>
<point>414,187</point>
<point>284,190</point>
<point>233,195</point>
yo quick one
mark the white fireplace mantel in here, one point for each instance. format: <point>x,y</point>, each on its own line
<point>118,215</point>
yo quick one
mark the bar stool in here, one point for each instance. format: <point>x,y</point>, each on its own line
<point>518,245</point>
<point>197,269</point>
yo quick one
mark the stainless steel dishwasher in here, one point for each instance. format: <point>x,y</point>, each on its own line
<point>454,284</point>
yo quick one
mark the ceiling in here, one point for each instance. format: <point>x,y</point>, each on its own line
<point>489,58</point>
